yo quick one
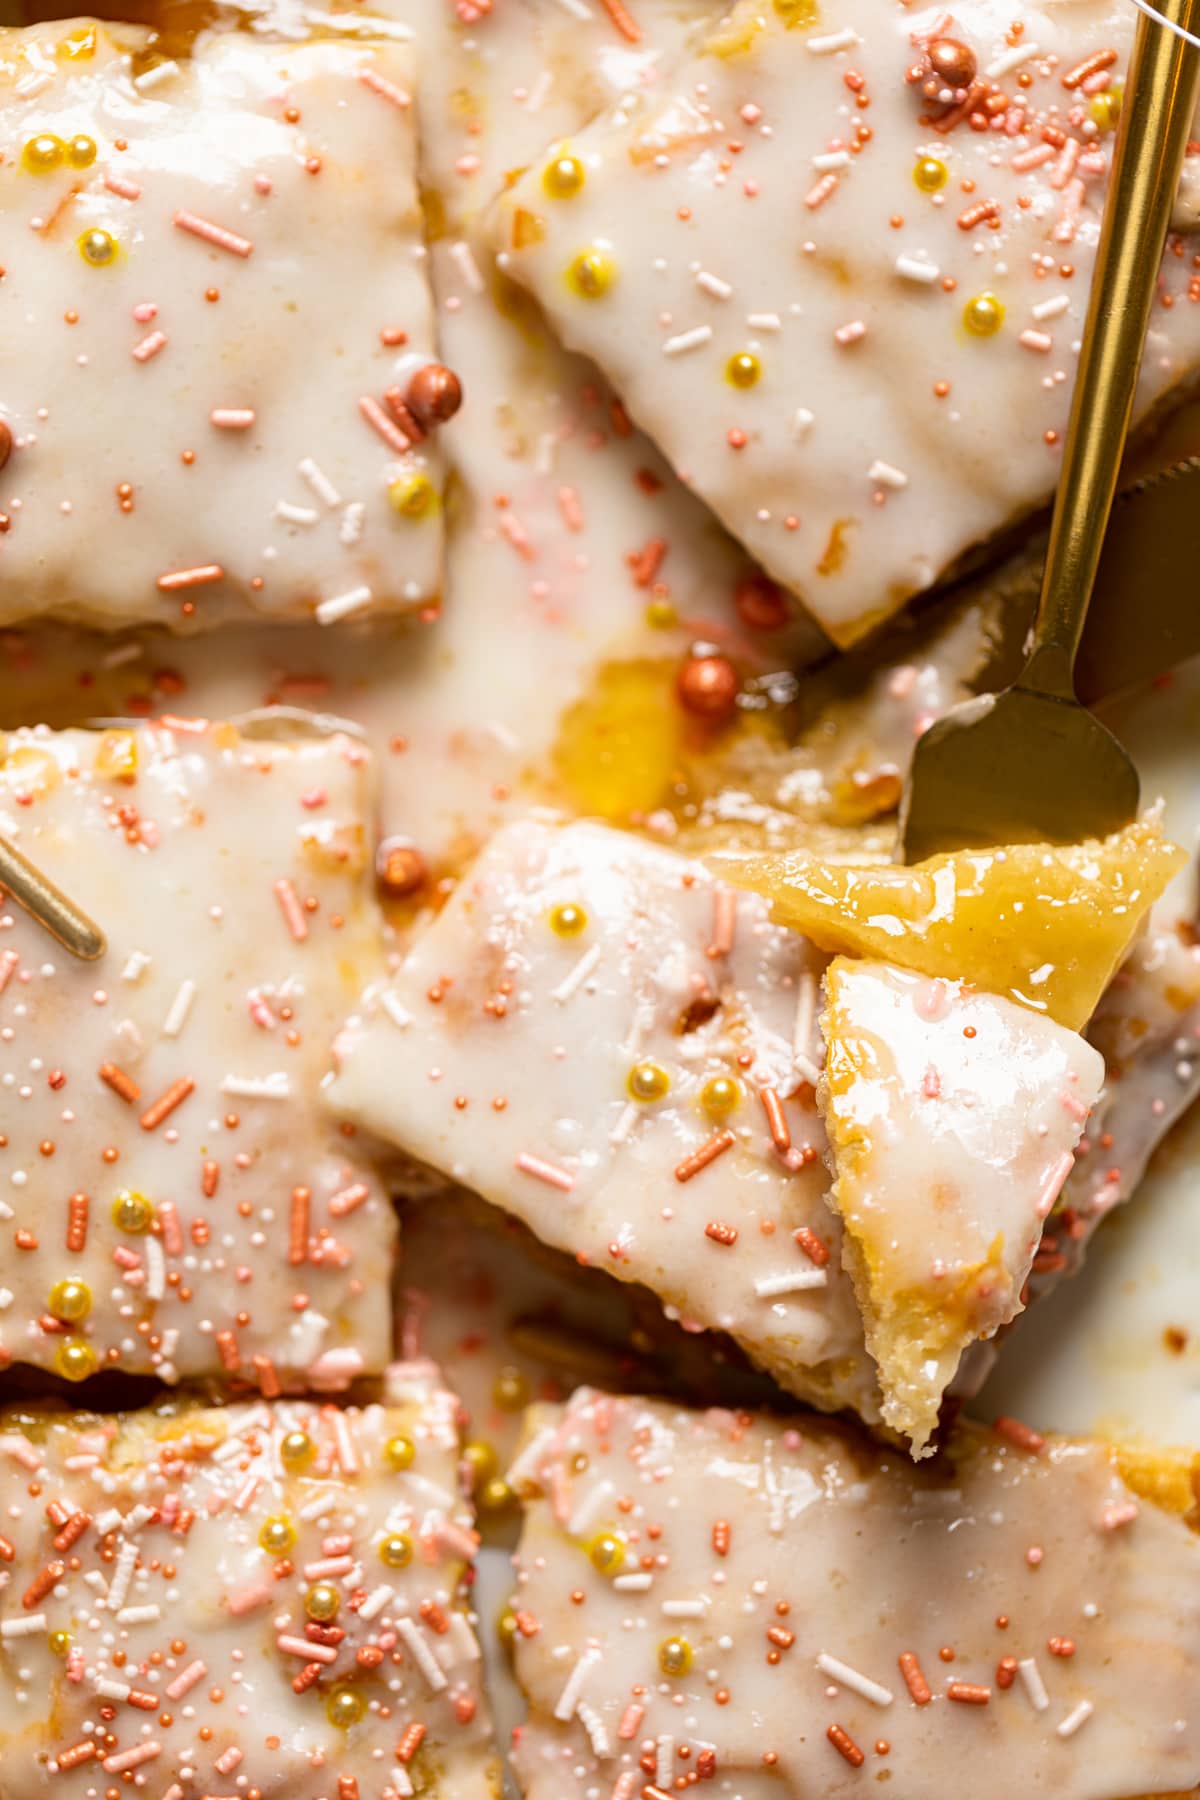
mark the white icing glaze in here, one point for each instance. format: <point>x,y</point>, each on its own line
<point>186,1634</point>
<point>214,385</point>
<point>784,1542</point>
<point>953,1116</point>
<point>200,854</point>
<point>762,200</point>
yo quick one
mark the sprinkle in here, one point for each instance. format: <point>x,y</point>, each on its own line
<point>767,1287</point>
<point>820,192</point>
<point>687,340</point>
<point>853,333</point>
<point>684,1609</point>
<point>707,1153</point>
<point>1054,1183</point>
<point>155,77</point>
<point>1031,1680</point>
<point>232,418</point>
<point>914,1678</point>
<point>832,159</point>
<point>813,1247</point>
<point>162,1108</point>
<point>724,923</point>
<point>887,475</point>
<point>802,422</point>
<point>75,1756</point>
<point>290,907</point>
<point>1022,1436</point>
<point>11,1628</point>
<point>213,234</point>
<point>340,606</point>
<point>1078,1716</point>
<point>633,1584</point>
<point>387,90</point>
<point>845,1745</point>
<point>468,268</point>
<point>353,521</point>
<point>577,975</point>
<point>375,1602</point>
<point>1052,308</point>
<point>1036,340</point>
<point>1031,159</point>
<point>123,187</point>
<point>410,1742</point>
<point>186,1680</point>
<point>977,214</point>
<point>777,1124</point>
<point>712,284</point>
<point>421,1653</point>
<point>132,1759</point>
<point>121,1084</point>
<point>1011,59</point>
<point>304,1647</point>
<point>1091,65</point>
<point>847,1677</point>
<point>188,578</point>
<point>386,428</point>
<point>915,268</point>
<point>348,1200</point>
<point>833,41</point>
<point>149,346</point>
<point>969,1693</point>
<point>319,482</point>
<point>569,1699</point>
<point>721,1234</point>
<point>140,1615</point>
<point>43,1584</point>
<point>548,1172</point>
<point>180,1007</point>
<point>295,515</point>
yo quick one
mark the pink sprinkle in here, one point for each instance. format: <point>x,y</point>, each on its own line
<point>850,334</point>
<point>1036,340</point>
<point>246,1492</point>
<point>388,430</point>
<point>186,578</point>
<point>149,346</point>
<point>186,1680</point>
<point>228,1760</point>
<point>1064,231</point>
<point>1065,166</point>
<point>517,536</point>
<point>8,963</point>
<point>213,234</point>
<point>132,1759</point>
<point>347,1454</point>
<point>294,1646</point>
<point>379,84</point>
<point>144,311</point>
<point>172,1236</point>
<point>931,1084</point>
<point>348,1201</point>
<point>1032,159</point>
<point>1073,1105</point>
<point>1117,1513</point>
<point>232,418</point>
<point>545,1171</point>
<point>631,1720</point>
<point>122,187</point>
<point>290,907</point>
<point>724,923</point>
<point>247,1599</point>
<point>570,508</point>
<point>819,194</point>
<point>328,1568</point>
<point>1054,1183</point>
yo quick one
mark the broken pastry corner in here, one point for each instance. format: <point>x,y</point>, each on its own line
<point>952,1118</point>
<point>1046,925</point>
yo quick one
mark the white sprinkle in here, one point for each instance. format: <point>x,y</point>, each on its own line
<point>399,1015</point>
<point>295,515</point>
<point>852,333</point>
<point>422,1655</point>
<point>664,1760</point>
<point>139,1615</point>
<point>768,1286</point>
<point>1036,340</point>
<point>687,340</point>
<point>136,966</point>
<point>124,653</point>
<point>155,77</point>
<point>834,40</point>
<point>122,1575</point>
<point>915,268</point>
<point>11,1628</point>
<point>35,82</point>
<point>536,97</point>
<point>1078,1716</point>
<point>633,1584</point>
<point>570,1697</point>
<point>156,1268</point>
<point>589,1509</point>
<point>375,1602</point>
<point>108,1521</point>
<point>351,527</point>
<point>593,1724</point>
<point>832,159</point>
<point>576,976</point>
<point>179,1009</point>
<point>576,8</point>
<point>847,1677</point>
<point>802,422</point>
<point>232,418</point>
<point>340,606</point>
<point>468,268</point>
<point>111,1690</point>
<point>1035,1687</point>
<point>629,1116</point>
<point>319,482</point>
<point>275,1086</point>
<point>764,321</point>
<point>684,1609</point>
<point>887,475</point>
<point>1011,59</point>
<point>1052,308</point>
<point>712,284</point>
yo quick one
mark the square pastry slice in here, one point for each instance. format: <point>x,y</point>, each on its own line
<point>782,1609</point>
<point>624,1053</point>
<point>952,1119</point>
<point>837,262</point>
<point>173,1199</point>
<point>265,1599</point>
<point>214,277</point>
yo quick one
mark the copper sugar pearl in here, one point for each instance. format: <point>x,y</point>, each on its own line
<point>434,395</point>
<point>952,62</point>
<point>400,868</point>
<point>708,688</point>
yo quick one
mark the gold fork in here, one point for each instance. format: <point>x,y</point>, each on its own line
<point>48,905</point>
<point>1031,764</point>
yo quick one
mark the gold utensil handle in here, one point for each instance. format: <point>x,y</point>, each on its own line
<point>48,905</point>
<point>1156,117</point>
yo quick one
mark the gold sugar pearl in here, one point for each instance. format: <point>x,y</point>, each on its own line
<point>70,1300</point>
<point>495,1496</point>
<point>647,1081</point>
<point>396,1550</point>
<point>296,1450</point>
<point>344,1708</point>
<point>930,174</point>
<point>132,1212</point>
<point>592,273</point>
<point>479,1460</point>
<point>322,1602</point>
<point>1105,109</point>
<point>412,496</point>
<point>81,151</point>
<point>720,1095</point>
<point>743,370</point>
<point>506,1628</point>
<point>984,315</point>
<point>568,920</point>
<point>42,153</point>
<point>277,1536</point>
<point>58,1643</point>
<point>796,12</point>
<point>563,178</point>
<point>510,1390</point>
<point>398,1453</point>
<point>75,1359</point>
<point>661,615</point>
<point>606,1553</point>
<point>675,1656</point>
<point>97,247</point>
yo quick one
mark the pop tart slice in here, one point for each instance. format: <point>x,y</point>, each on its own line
<point>265,1599</point>
<point>782,1609</point>
<point>837,263</point>
<point>218,395</point>
<point>173,1199</point>
<point>952,1119</point>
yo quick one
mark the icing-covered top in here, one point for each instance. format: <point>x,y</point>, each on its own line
<point>214,276</point>
<point>785,1610</point>
<point>257,1600</point>
<point>837,264</point>
<point>952,1117</point>
<point>172,1197</point>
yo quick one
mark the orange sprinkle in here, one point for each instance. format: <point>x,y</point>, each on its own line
<point>1006,1671</point>
<point>42,1584</point>
<point>268,1380</point>
<point>721,1234</point>
<point>290,907</point>
<point>1091,65</point>
<point>700,1159</point>
<point>77,1222</point>
<point>777,1124</point>
<point>410,1742</point>
<point>122,1085</point>
<point>645,563</point>
<point>813,1247</point>
<point>347,1788</point>
<point>175,1095</point>
<point>914,1677</point>
<point>227,1350</point>
<point>298,1226</point>
<point>845,1746</point>
<point>187,578</point>
<point>76,1755</point>
<point>721,1533</point>
<point>968,1692</point>
<point>1023,1436</point>
<point>209,1176</point>
<point>629,28</point>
